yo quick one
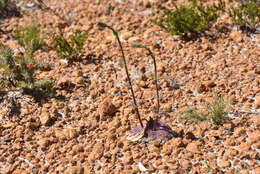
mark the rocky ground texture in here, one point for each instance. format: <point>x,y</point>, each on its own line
<point>84,131</point>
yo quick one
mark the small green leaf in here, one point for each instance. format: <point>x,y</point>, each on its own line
<point>137,45</point>
<point>103,25</point>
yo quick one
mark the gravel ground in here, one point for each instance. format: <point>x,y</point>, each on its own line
<point>84,131</point>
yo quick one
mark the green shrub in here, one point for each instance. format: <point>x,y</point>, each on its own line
<point>5,3</point>
<point>194,18</point>
<point>247,14</point>
<point>30,38</point>
<point>214,112</point>
<point>217,110</point>
<point>193,114</point>
<point>69,49</point>
<point>19,73</point>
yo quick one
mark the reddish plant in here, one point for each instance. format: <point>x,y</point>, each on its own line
<point>30,65</point>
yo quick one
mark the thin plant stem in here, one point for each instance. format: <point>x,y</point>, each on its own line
<point>155,79</point>
<point>126,70</point>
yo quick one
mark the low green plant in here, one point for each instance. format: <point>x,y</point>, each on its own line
<point>5,3</point>
<point>214,112</point>
<point>194,115</point>
<point>194,18</point>
<point>31,38</point>
<point>19,73</point>
<point>246,14</point>
<point>217,110</point>
<point>69,49</point>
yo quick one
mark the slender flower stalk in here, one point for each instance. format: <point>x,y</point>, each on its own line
<point>155,79</point>
<point>103,25</point>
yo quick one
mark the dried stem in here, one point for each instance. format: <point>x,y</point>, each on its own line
<point>155,79</point>
<point>103,25</point>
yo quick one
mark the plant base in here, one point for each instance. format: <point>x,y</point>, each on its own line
<point>161,132</point>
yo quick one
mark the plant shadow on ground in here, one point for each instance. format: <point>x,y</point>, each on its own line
<point>198,36</point>
<point>247,30</point>
<point>246,15</point>
<point>212,35</point>
<point>8,9</point>
<point>14,106</point>
<point>88,59</point>
<point>40,95</point>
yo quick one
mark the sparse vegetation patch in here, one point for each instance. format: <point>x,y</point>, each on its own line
<point>214,112</point>
<point>31,38</point>
<point>19,73</point>
<point>194,18</point>
<point>246,14</point>
<point>69,49</point>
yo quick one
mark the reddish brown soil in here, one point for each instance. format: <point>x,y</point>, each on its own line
<point>80,132</point>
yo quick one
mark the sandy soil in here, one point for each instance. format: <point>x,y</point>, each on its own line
<point>84,129</point>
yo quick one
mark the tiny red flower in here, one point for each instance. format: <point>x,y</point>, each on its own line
<point>30,65</point>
